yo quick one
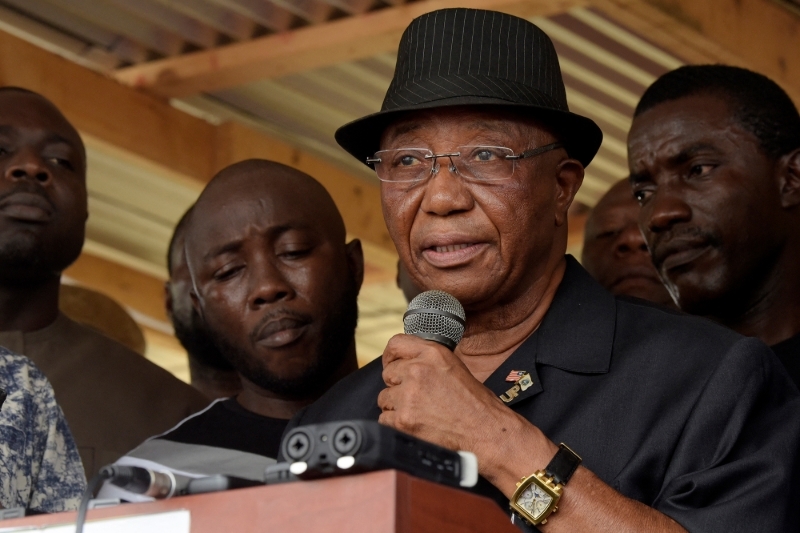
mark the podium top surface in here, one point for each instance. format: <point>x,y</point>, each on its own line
<point>377,502</point>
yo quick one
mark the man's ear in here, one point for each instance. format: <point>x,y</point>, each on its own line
<point>168,299</point>
<point>569,177</point>
<point>789,179</point>
<point>196,303</point>
<point>355,261</point>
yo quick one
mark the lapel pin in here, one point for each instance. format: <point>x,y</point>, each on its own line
<point>523,382</point>
<point>515,375</point>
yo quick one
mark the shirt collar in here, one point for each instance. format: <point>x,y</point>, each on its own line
<point>577,332</point>
<point>576,335</point>
<point>22,342</point>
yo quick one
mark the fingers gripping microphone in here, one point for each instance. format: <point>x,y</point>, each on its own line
<point>435,316</point>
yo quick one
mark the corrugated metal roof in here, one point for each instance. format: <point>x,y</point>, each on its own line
<point>606,68</point>
<point>140,30</point>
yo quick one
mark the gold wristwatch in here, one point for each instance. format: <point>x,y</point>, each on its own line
<point>537,495</point>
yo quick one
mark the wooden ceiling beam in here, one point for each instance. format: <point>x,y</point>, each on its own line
<point>756,34</point>
<point>699,32</point>
<point>138,291</point>
<point>761,32</point>
<point>356,198</point>
<point>130,120</point>
<point>304,49</point>
<point>149,130</point>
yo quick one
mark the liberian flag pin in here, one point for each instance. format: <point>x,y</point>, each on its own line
<point>514,375</point>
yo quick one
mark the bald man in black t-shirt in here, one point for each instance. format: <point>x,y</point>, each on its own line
<point>276,285</point>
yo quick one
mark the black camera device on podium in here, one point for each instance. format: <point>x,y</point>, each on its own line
<point>353,446</point>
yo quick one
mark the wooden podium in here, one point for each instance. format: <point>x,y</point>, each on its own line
<point>378,502</point>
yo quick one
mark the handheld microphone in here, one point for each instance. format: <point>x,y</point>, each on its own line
<point>435,316</point>
<point>158,485</point>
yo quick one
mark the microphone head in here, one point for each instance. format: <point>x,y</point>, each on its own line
<point>435,316</point>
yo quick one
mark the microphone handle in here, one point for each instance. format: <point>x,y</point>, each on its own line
<point>158,485</point>
<point>435,337</point>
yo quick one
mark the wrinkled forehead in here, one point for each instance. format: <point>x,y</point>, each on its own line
<point>247,213</point>
<point>221,216</point>
<point>668,128</point>
<point>488,125</point>
<point>617,207</point>
<point>622,209</point>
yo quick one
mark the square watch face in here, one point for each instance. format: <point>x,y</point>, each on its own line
<point>534,500</point>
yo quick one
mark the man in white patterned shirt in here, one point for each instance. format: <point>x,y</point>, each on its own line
<point>40,468</point>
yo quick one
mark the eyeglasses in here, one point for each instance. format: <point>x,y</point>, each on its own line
<point>475,163</point>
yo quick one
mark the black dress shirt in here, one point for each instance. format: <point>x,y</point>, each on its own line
<point>674,411</point>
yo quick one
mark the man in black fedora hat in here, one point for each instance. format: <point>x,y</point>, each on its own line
<point>667,422</point>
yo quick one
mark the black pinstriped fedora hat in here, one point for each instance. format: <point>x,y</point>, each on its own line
<point>457,57</point>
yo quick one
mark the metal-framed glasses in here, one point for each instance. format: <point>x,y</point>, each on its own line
<point>474,163</point>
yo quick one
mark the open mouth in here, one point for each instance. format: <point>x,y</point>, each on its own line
<point>451,248</point>
<point>452,255</point>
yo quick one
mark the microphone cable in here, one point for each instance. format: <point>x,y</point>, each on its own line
<point>157,485</point>
<point>105,473</point>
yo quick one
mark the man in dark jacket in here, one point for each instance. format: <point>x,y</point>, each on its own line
<point>715,163</point>
<point>668,423</point>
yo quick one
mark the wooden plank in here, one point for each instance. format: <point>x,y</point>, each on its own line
<point>761,32</point>
<point>304,49</point>
<point>148,130</point>
<point>357,199</point>
<point>98,106</point>
<point>754,34</point>
<point>386,501</point>
<point>134,289</point>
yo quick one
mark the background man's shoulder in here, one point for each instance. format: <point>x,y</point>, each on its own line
<point>682,348</point>
<point>129,370</point>
<point>643,321</point>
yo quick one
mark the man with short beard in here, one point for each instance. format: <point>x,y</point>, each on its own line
<point>209,371</point>
<point>276,285</point>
